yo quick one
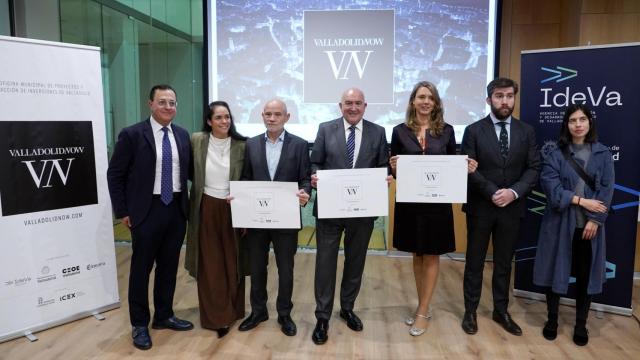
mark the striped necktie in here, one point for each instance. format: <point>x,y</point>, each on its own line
<point>351,146</point>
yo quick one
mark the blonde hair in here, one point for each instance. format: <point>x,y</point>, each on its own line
<point>436,120</point>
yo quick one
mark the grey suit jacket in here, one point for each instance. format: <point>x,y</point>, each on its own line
<point>330,148</point>
<point>519,171</point>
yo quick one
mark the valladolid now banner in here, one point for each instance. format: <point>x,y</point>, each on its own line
<point>57,262</point>
<point>606,79</point>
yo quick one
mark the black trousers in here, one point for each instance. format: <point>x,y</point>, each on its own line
<point>580,269</point>
<point>156,240</point>
<point>502,227</point>
<point>285,245</point>
<point>357,233</point>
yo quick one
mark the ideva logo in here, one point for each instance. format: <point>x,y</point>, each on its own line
<point>562,97</point>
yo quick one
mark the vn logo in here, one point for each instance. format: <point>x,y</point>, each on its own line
<point>431,176</point>
<point>557,74</point>
<point>48,168</point>
<point>352,191</point>
<point>264,202</point>
<point>356,58</point>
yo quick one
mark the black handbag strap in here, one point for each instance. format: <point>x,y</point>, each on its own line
<point>578,169</point>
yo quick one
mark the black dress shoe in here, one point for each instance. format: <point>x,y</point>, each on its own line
<point>580,335</point>
<point>319,335</point>
<point>288,327</point>
<point>550,330</point>
<point>470,322</point>
<point>507,323</point>
<point>253,320</point>
<point>141,338</point>
<point>222,331</point>
<point>353,321</point>
<point>172,323</point>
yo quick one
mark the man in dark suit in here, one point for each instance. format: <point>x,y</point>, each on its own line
<point>508,167</point>
<point>276,155</point>
<point>344,143</point>
<point>147,179</point>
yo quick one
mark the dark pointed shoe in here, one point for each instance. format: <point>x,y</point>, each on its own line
<point>550,330</point>
<point>470,322</point>
<point>222,332</point>
<point>253,320</point>
<point>319,335</point>
<point>580,335</point>
<point>141,338</point>
<point>353,321</point>
<point>287,325</point>
<point>507,323</point>
<point>172,323</point>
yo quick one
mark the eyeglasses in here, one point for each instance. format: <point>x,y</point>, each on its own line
<point>169,103</point>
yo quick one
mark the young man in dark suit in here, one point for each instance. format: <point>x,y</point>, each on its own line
<point>508,167</point>
<point>276,155</point>
<point>147,179</point>
<point>344,143</point>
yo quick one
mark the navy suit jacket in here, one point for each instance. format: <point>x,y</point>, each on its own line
<point>330,148</point>
<point>131,172</point>
<point>519,171</point>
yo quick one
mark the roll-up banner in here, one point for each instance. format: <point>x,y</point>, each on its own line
<point>606,79</point>
<point>57,262</point>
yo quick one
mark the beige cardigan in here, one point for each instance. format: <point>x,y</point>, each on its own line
<point>200,145</point>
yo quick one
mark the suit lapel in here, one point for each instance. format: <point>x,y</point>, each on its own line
<point>287,140</point>
<point>489,133</point>
<point>262,156</point>
<point>341,141</point>
<point>201,153</point>
<point>364,142</point>
<point>515,138</point>
<point>409,134</point>
<point>147,132</point>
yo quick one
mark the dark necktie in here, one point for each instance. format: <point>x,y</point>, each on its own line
<point>166,179</point>
<point>351,146</point>
<point>504,139</point>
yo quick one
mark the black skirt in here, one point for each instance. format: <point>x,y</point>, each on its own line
<point>424,229</point>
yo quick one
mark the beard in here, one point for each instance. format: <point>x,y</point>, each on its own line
<point>501,113</point>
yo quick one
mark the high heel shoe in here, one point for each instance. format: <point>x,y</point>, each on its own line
<point>409,321</point>
<point>414,331</point>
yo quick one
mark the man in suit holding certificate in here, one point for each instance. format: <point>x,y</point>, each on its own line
<point>344,143</point>
<point>276,155</point>
<point>508,166</point>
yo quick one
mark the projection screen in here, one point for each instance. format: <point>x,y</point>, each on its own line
<point>308,52</point>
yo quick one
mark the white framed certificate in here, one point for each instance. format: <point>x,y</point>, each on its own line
<point>264,205</point>
<point>431,179</point>
<point>351,193</point>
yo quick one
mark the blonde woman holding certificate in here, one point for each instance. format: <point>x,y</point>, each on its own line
<point>426,230</point>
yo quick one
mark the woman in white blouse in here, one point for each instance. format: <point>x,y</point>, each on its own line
<point>215,255</point>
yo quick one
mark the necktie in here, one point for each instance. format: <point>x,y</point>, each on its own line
<point>504,139</point>
<point>166,179</point>
<point>351,146</point>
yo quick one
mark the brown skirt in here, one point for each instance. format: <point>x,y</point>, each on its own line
<point>220,290</point>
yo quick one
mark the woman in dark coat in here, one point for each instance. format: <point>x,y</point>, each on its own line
<point>426,230</point>
<point>572,237</point>
<point>215,253</point>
